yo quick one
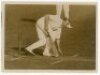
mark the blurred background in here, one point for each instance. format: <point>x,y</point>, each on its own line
<point>80,40</point>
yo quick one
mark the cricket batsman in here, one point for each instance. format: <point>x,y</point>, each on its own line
<point>49,29</point>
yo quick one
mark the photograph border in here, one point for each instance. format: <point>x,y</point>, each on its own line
<point>59,71</point>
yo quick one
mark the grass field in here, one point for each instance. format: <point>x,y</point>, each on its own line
<point>42,62</point>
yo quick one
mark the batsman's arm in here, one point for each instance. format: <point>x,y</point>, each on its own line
<point>46,22</point>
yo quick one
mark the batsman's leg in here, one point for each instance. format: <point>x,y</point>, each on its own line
<point>39,43</point>
<point>58,9</point>
<point>58,36</point>
<point>54,45</point>
<point>58,46</point>
<point>66,10</point>
<point>47,49</point>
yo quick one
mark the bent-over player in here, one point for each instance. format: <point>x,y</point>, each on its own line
<point>48,26</point>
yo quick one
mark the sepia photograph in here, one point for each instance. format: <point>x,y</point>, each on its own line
<point>49,36</point>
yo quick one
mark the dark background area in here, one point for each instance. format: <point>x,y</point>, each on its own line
<point>79,40</point>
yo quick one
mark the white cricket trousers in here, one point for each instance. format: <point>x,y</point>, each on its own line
<point>54,34</point>
<point>40,42</point>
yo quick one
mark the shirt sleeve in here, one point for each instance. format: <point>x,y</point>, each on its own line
<point>46,21</point>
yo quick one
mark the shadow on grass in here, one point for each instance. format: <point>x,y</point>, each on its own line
<point>23,51</point>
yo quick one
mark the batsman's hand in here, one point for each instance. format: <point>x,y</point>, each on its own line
<point>66,23</point>
<point>46,33</point>
<point>69,26</point>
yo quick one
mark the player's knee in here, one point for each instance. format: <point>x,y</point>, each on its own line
<point>43,42</point>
